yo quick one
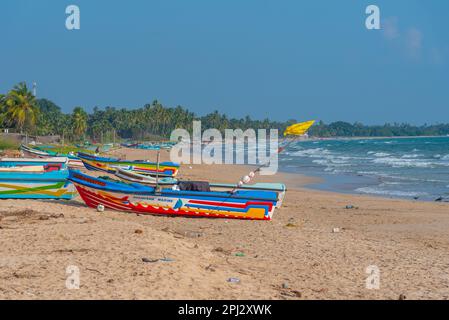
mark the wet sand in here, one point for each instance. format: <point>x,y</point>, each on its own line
<point>314,248</point>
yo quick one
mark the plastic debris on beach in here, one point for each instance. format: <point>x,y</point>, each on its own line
<point>335,230</point>
<point>147,260</point>
<point>234,280</point>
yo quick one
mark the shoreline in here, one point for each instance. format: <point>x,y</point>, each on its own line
<point>322,184</point>
<point>370,138</point>
<point>307,181</point>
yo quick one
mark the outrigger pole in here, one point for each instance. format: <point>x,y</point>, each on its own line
<point>297,129</point>
<point>157,170</point>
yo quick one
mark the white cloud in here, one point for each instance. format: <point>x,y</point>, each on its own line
<point>390,28</point>
<point>414,42</point>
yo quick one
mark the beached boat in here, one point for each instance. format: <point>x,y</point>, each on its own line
<point>131,176</point>
<point>150,145</point>
<point>33,153</point>
<point>194,199</point>
<point>35,179</point>
<point>129,145</point>
<point>109,165</point>
<point>40,152</point>
<point>96,147</point>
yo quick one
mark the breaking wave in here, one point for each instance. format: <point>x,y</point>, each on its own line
<point>392,193</point>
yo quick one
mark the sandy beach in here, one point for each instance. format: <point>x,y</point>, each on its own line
<point>314,248</point>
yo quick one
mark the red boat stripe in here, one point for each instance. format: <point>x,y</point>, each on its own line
<point>101,200</point>
<point>231,205</point>
<point>106,202</point>
<point>92,200</point>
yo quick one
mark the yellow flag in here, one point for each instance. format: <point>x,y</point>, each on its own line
<point>299,129</point>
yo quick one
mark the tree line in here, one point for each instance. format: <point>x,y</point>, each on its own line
<point>20,110</point>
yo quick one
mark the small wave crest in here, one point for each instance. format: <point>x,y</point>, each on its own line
<point>404,163</point>
<point>393,193</point>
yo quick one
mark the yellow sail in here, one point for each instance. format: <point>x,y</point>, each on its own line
<point>298,129</point>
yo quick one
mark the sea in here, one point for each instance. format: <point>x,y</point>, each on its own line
<point>412,168</point>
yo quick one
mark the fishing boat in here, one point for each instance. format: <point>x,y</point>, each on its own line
<point>131,176</point>
<point>110,165</point>
<point>95,147</point>
<point>35,179</point>
<point>150,145</point>
<point>194,199</point>
<point>33,153</point>
<point>129,145</point>
<point>39,152</point>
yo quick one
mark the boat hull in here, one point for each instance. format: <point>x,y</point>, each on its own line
<point>110,166</point>
<point>241,205</point>
<point>62,190</point>
<point>26,185</point>
<point>74,162</point>
<point>20,179</point>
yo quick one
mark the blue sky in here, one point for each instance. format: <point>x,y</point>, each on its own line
<point>277,59</point>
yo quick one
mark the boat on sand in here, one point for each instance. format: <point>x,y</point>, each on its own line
<point>36,152</point>
<point>35,179</point>
<point>187,198</point>
<point>110,165</point>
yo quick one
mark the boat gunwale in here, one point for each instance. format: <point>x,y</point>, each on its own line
<point>151,191</point>
<point>84,156</point>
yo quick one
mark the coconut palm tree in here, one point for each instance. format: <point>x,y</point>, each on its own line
<point>2,109</point>
<point>79,122</point>
<point>20,107</point>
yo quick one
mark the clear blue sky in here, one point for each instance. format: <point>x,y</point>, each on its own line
<point>277,59</point>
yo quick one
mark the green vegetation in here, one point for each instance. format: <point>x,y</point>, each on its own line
<point>19,109</point>
<point>8,145</point>
<point>63,149</point>
<point>79,122</point>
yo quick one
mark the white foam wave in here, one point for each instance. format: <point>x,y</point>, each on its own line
<point>411,156</point>
<point>393,193</point>
<point>312,153</point>
<point>404,163</point>
<point>381,154</point>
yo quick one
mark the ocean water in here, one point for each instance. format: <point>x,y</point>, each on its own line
<point>416,168</point>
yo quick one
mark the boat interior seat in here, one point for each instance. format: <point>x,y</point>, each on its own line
<point>194,186</point>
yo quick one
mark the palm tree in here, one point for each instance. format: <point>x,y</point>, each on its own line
<point>79,122</point>
<point>2,109</point>
<point>20,107</point>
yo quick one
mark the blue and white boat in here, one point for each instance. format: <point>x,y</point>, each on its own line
<point>35,179</point>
